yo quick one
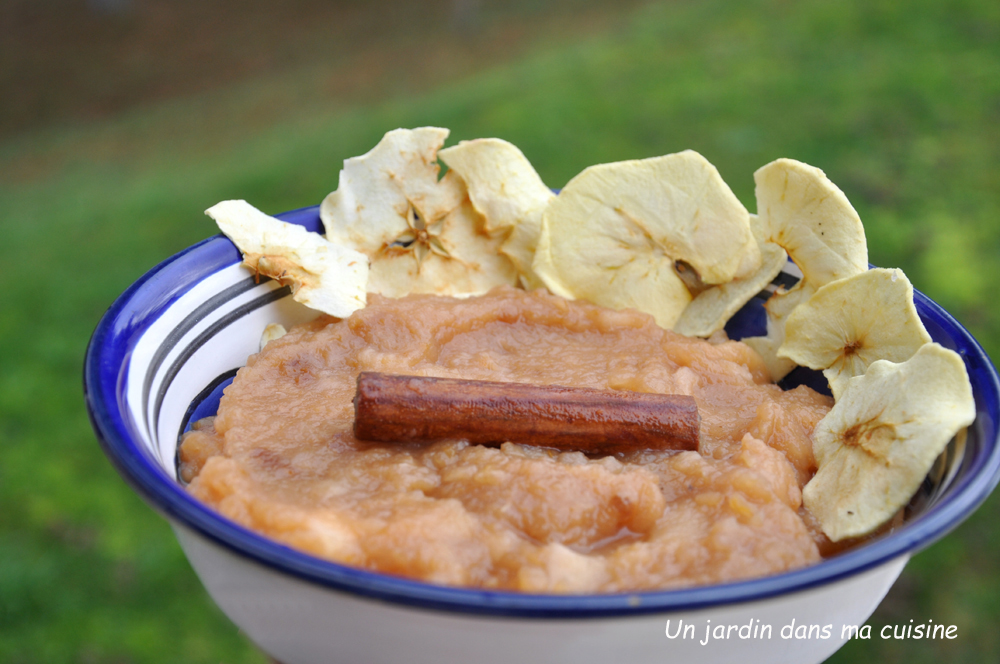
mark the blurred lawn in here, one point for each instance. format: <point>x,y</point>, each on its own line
<point>898,103</point>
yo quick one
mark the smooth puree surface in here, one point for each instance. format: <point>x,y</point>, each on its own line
<point>281,459</point>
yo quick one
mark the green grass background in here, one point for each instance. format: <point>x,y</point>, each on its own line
<point>899,103</point>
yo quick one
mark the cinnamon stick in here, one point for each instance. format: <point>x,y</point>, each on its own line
<point>419,408</point>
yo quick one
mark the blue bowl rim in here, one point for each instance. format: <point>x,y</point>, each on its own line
<point>105,367</point>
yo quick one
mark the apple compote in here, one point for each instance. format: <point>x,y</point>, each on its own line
<point>280,457</point>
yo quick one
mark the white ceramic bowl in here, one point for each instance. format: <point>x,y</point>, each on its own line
<point>159,359</point>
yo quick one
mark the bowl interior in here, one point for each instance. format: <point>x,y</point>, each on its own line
<point>162,354</point>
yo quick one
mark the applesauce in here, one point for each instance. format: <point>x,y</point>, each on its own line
<point>280,457</point>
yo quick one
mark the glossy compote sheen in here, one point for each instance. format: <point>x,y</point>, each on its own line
<point>281,458</point>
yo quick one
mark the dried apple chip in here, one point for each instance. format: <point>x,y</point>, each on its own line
<point>778,307</point>
<point>505,189</point>
<point>800,210</point>
<point>614,234</point>
<point>454,256</point>
<point>850,323</point>
<point>271,332</point>
<point>709,311</point>
<point>877,444</point>
<point>420,232</point>
<point>323,275</point>
<point>379,191</point>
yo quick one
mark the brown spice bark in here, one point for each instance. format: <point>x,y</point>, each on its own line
<point>418,408</point>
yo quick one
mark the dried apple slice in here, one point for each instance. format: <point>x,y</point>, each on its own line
<point>381,190</point>
<point>850,323</point>
<point>504,188</point>
<point>421,233</point>
<point>323,275</point>
<point>454,256</point>
<point>778,308</point>
<point>712,307</point>
<point>271,332</point>
<point>709,311</point>
<point>614,234</point>
<point>800,210</point>
<point>877,444</point>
